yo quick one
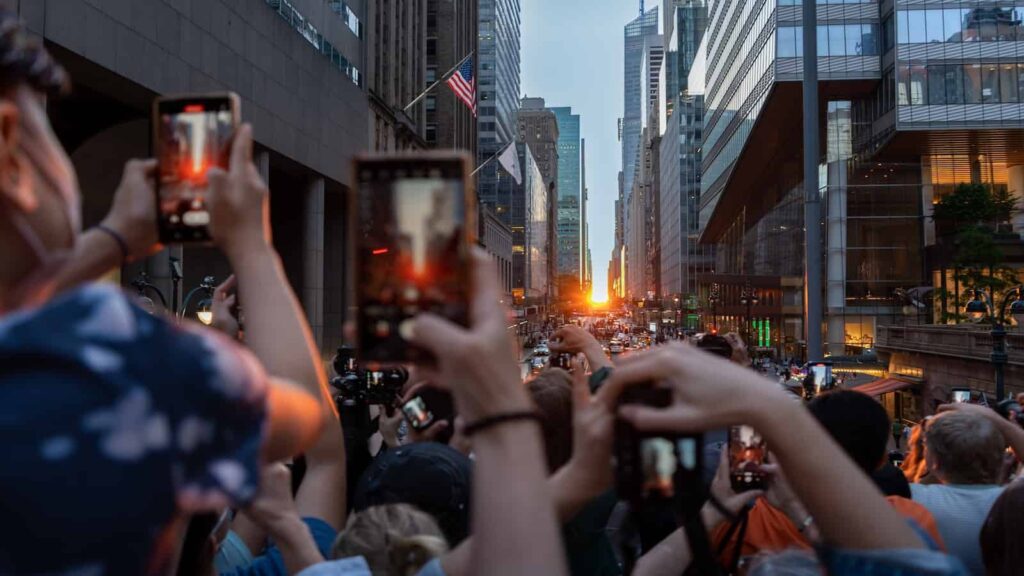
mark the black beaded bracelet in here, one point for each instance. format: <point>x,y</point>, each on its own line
<point>117,238</point>
<point>497,419</point>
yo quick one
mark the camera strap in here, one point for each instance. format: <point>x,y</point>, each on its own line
<point>738,524</point>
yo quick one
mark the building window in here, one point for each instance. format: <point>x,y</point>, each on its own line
<point>431,103</point>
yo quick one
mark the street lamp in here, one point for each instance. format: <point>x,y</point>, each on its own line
<point>204,310</point>
<point>142,286</point>
<point>977,309</point>
<point>748,298</point>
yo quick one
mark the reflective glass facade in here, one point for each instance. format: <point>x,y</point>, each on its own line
<point>569,192</point>
<point>960,64</point>
<point>498,78</point>
<point>740,72</point>
<point>635,37</point>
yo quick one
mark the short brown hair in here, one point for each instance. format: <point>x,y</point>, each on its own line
<point>24,60</point>
<point>551,391</point>
<point>965,448</point>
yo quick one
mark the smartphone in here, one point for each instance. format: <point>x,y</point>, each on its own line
<point>416,226</point>
<point>648,464</point>
<point>747,450</point>
<point>429,406</point>
<point>822,374</point>
<point>191,134</point>
<point>417,414</point>
<point>563,361</point>
<point>961,395</point>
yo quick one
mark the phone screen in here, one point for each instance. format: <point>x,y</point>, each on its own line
<point>961,395</point>
<point>747,450</point>
<point>417,414</point>
<point>822,374</point>
<point>412,250</point>
<point>192,136</point>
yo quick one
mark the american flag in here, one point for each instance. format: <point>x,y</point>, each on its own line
<point>463,83</point>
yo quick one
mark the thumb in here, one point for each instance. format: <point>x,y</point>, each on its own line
<point>580,385</point>
<point>436,335</point>
<point>735,503</point>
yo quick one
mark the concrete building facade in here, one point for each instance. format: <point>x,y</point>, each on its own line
<point>298,67</point>
<point>396,70</point>
<point>636,42</point>
<point>452,33</point>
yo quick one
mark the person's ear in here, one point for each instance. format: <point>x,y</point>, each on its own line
<point>14,182</point>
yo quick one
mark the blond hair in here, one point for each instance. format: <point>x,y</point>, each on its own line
<point>395,539</point>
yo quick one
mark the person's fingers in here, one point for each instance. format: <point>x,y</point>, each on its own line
<point>723,463</point>
<point>414,391</point>
<point>241,149</point>
<point>217,179</point>
<point>226,287</point>
<point>736,503</point>
<point>486,308</point>
<point>580,386</point>
<point>434,430</point>
<point>645,367</point>
<point>672,419</point>
<point>437,335</point>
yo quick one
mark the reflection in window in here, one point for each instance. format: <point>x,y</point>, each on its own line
<point>936,84</point>
<point>989,83</point>
<point>1008,87</point>
<point>833,40</point>
<point>972,83</point>
<point>989,24</point>
<point>918,85</point>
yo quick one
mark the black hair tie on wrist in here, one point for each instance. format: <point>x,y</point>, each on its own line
<point>498,419</point>
<point>117,238</point>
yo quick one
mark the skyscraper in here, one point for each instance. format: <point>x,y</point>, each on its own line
<point>538,128</point>
<point>396,69</point>
<point>635,42</point>
<point>570,239</point>
<point>498,75</point>
<point>451,36</point>
<point>683,259</point>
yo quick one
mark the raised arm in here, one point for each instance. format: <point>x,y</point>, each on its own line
<point>515,530</point>
<point>575,340</point>
<point>712,393</point>
<point>131,220</point>
<point>276,329</point>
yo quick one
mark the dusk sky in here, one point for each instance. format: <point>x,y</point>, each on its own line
<point>572,56</point>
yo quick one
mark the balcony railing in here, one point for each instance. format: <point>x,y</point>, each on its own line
<point>963,341</point>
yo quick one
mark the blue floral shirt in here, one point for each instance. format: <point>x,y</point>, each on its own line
<point>111,422</point>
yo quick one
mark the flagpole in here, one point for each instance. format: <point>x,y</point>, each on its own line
<point>488,161</point>
<point>442,79</point>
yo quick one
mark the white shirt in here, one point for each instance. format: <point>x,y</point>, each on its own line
<point>960,511</point>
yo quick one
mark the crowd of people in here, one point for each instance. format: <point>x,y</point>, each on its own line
<point>135,444</point>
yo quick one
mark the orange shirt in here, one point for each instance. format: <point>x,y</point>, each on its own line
<point>769,529</point>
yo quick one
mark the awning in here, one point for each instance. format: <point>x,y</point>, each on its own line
<point>879,387</point>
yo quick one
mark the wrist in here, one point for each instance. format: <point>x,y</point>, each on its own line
<point>241,251</point>
<point>283,525</point>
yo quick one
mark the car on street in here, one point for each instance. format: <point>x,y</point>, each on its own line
<point>615,347</point>
<point>541,350</point>
<point>537,365</point>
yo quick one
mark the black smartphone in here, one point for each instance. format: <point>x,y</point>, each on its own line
<point>961,395</point>
<point>416,226</point>
<point>428,406</point>
<point>563,361</point>
<point>648,464</point>
<point>747,451</point>
<point>191,134</point>
<point>417,414</point>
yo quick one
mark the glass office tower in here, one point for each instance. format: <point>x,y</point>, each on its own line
<point>569,193</point>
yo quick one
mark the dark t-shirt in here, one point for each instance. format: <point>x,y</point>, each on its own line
<point>111,421</point>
